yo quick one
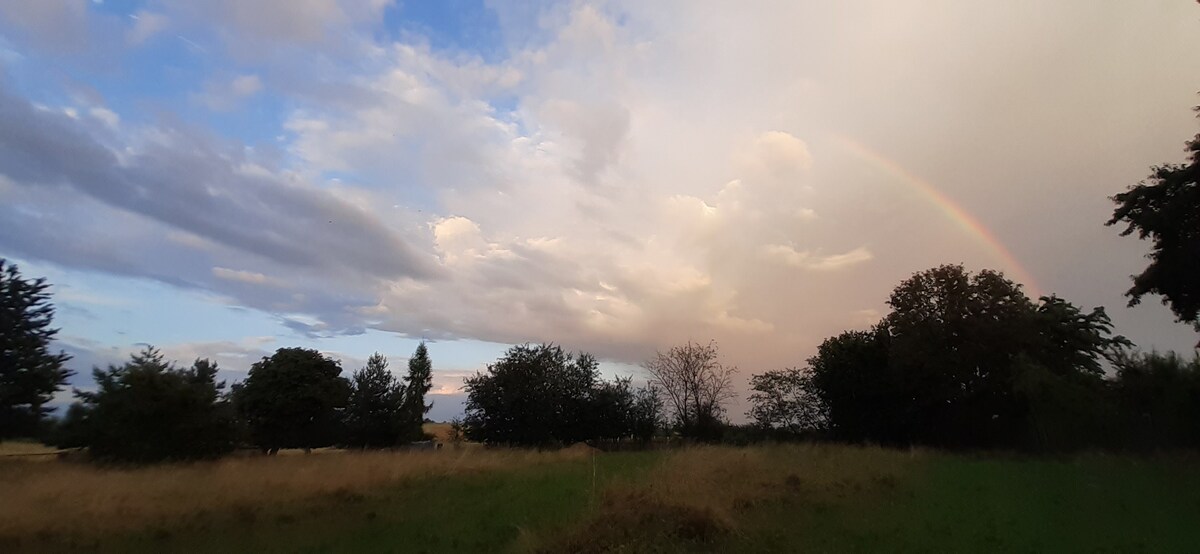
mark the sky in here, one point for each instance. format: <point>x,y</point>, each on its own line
<point>222,178</point>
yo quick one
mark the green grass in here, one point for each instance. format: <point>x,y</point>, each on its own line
<point>967,504</point>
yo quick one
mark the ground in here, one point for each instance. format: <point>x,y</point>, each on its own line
<point>820,498</point>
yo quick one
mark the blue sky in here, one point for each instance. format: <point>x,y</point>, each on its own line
<point>222,178</point>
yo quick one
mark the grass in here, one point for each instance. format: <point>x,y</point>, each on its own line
<point>715,499</point>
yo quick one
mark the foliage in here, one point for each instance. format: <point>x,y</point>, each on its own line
<point>374,409</point>
<point>293,399</point>
<point>647,415</point>
<point>541,395</point>
<point>966,361</point>
<point>851,381</point>
<point>458,431</point>
<point>29,373</point>
<point>696,387</point>
<point>1166,209</point>
<point>784,400</point>
<point>417,384</point>
<point>147,410</point>
<point>1158,398</point>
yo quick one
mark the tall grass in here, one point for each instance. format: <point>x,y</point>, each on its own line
<point>65,499</point>
<point>695,495</point>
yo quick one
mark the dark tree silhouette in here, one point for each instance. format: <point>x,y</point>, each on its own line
<point>543,396</point>
<point>293,399</point>
<point>1165,208</point>
<point>147,410</point>
<point>29,373</point>
<point>375,408</point>
<point>647,416</point>
<point>966,361</point>
<point>784,401</point>
<point>1158,399</point>
<point>417,384</point>
<point>853,384</point>
<point>696,387</point>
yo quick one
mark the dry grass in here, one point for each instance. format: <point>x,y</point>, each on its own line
<point>441,431</point>
<point>29,450</point>
<point>695,495</point>
<point>65,499</point>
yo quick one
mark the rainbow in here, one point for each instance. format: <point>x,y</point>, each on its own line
<point>952,209</point>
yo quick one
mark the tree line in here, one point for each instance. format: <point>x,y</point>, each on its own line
<point>147,409</point>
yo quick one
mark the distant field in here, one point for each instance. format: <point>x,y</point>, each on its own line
<point>715,499</point>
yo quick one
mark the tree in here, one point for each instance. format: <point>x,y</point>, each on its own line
<point>854,386</point>
<point>543,396</point>
<point>647,416</point>
<point>1158,399</point>
<point>784,401</point>
<point>29,373</point>
<point>417,384</point>
<point>967,360</point>
<point>1166,209</point>
<point>293,399</point>
<point>959,342</point>
<point>696,387</point>
<point>147,410</point>
<point>375,407</point>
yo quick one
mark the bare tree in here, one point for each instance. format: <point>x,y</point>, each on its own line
<point>695,385</point>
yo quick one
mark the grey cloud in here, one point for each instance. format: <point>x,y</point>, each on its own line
<point>186,183</point>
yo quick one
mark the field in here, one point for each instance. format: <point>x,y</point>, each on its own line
<point>719,499</point>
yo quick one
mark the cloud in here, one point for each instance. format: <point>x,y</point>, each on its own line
<point>164,184</point>
<point>105,116</point>
<point>265,28</point>
<point>56,25</point>
<point>227,95</point>
<point>146,25</point>
<point>789,256</point>
<point>248,277</point>
<point>616,179</point>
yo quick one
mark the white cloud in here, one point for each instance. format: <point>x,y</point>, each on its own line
<point>807,260</point>
<point>105,116</point>
<point>248,277</point>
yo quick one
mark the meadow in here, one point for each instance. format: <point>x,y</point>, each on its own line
<point>771,498</point>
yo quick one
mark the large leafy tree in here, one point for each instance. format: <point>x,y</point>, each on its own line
<point>30,373</point>
<point>962,360</point>
<point>417,384</point>
<point>852,383</point>
<point>148,410</point>
<point>541,395</point>
<point>375,407</point>
<point>293,399</point>
<point>1165,208</point>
